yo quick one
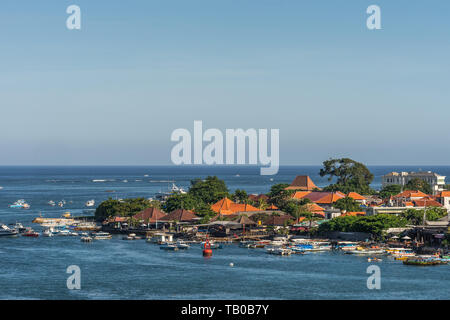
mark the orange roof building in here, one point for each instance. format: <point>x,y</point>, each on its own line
<point>331,198</point>
<point>411,194</point>
<point>300,194</point>
<point>279,220</point>
<point>356,196</point>
<point>180,215</point>
<point>228,207</point>
<point>150,215</point>
<point>444,194</point>
<point>424,202</point>
<point>302,183</point>
<point>316,209</point>
<point>320,197</point>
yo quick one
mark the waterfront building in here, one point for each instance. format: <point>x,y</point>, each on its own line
<point>280,220</point>
<point>303,183</point>
<point>150,215</point>
<point>181,215</point>
<point>436,181</point>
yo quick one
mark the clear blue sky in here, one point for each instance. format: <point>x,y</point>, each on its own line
<point>113,92</point>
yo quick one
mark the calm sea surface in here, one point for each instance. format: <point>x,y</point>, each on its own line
<point>117,269</point>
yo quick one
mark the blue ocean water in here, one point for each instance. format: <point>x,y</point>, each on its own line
<point>117,269</point>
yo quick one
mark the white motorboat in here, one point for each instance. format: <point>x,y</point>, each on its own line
<point>5,231</point>
<point>20,204</point>
<point>182,245</point>
<point>169,247</point>
<point>18,227</point>
<point>86,239</point>
<point>279,251</point>
<point>90,203</point>
<point>102,236</point>
<point>47,233</point>
<point>64,233</point>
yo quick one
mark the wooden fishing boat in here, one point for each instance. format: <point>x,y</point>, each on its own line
<point>424,262</point>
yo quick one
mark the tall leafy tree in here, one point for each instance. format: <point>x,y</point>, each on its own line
<point>418,184</point>
<point>415,216</point>
<point>370,224</point>
<point>125,207</point>
<point>350,176</point>
<point>209,190</point>
<point>278,194</point>
<point>390,190</point>
<point>348,204</point>
<point>180,201</point>
<point>240,196</point>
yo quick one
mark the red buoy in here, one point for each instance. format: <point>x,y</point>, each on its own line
<point>207,252</point>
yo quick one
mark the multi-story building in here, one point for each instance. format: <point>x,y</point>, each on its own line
<point>436,181</point>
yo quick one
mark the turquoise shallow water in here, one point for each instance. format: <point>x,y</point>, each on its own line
<point>118,269</point>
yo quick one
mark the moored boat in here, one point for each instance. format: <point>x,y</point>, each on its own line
<point>5,231</point>
<point>169,247</point>
<point>20,204</point>
<point>423,262</point>
<point>30,233</point>
<point>102,236</point>
<point>86,239</point>
<point>90,203</point>
<point>279,251</point>
<point>182,245</point>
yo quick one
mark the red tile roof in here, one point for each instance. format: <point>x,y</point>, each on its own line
<point>426,203</point>
<point>257,197</point>
<point>300,194</point>
<point>180,215</point>
<point>149,215</point>
<point>302,183</point>
<point>278,220</point>
<point>355,196</point>
<point>411,194</point>
<point>332,197</point>
<point>227,207</point>
<point>316,209</point>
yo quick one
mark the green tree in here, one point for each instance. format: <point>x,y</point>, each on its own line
<point>278,194</point>
<point>390,190</point>
<point>203,209</point>
<point>125,208</point>
<point>419,184</point>
<point>262,204</point>
<point>240,196</point>
<point>351,176</point>
<point>374,225</point>
<point>180,201</point>
<point>415,216</point>
<point>304,201</point>
<point>209,190</point>
<point>348,204</point>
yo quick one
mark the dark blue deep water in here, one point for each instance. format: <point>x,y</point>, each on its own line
<point>117,269</point>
